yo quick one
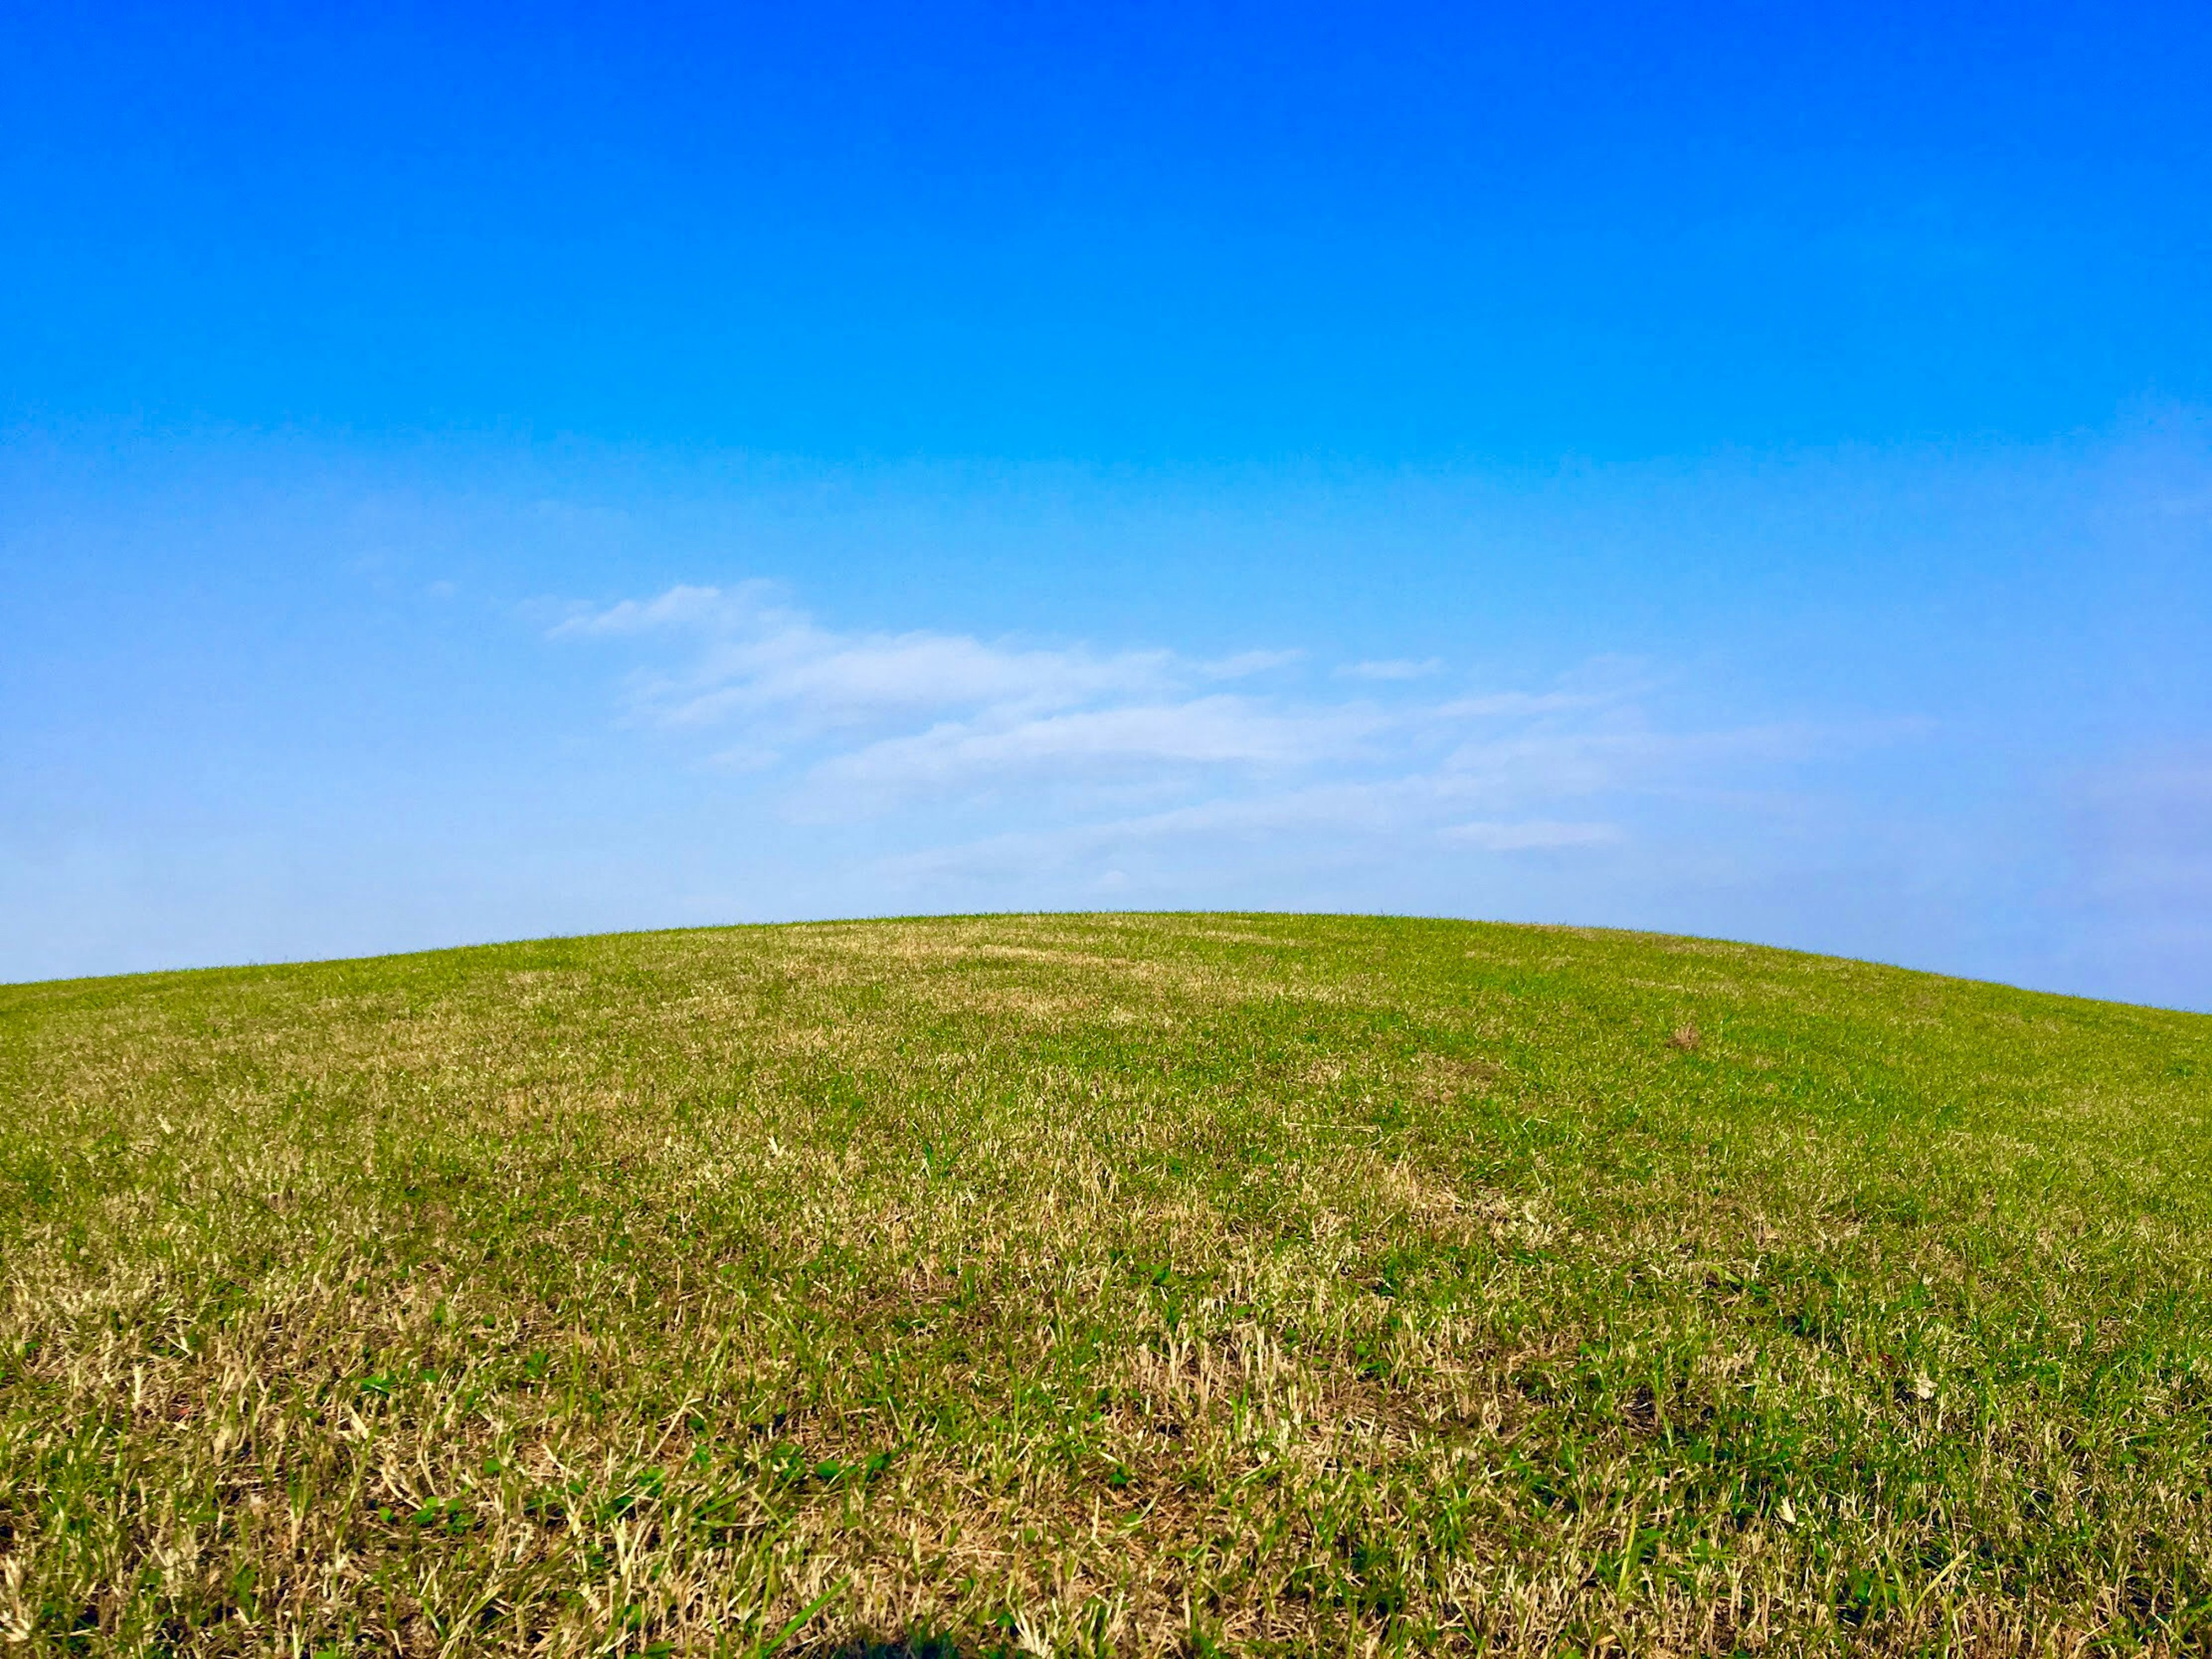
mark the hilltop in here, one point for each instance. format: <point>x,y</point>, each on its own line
<point>1101,1285</point>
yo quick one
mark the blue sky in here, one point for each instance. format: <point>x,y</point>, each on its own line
<point>468,474</point>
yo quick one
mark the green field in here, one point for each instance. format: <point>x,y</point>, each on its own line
<point>1102,1284</point>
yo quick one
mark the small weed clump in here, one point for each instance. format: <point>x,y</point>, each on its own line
<point>1101,1285</point>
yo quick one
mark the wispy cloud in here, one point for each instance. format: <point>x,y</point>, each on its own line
<point>754,659</point>
<point>680,606</point>
<point>1535,834</point>
<point>1376,816</point>
<point>1395,668</point>
<point>973,753</point>
<point>1205,732</point>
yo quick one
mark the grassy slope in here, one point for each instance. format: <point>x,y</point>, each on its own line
<point>1101,1285</point>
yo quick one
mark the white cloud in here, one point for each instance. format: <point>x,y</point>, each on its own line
<point>1618,750</point>
<point>1245,663</point>
<point>970,755</point>
<point>1388,817</point>
<point>1505,704</point>
<point>830,680</point>
<point>680,606</point>
<point>1394,668</point>
<point>757,658</point>
<point>1209,731</point>
<point>1530,836</point>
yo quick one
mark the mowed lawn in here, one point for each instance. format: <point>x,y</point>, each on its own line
<point>1102,1284</point>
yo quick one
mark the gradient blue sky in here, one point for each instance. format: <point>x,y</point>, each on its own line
<point>471,473</point>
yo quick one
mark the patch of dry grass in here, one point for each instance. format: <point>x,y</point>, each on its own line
<point>1101,1285</point>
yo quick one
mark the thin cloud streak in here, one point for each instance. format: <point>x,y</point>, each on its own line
<point>756,657</point>
<point>973,755</point>
<point>1538,834</point>
<point>1394,668</point>
<point>1211,731</point>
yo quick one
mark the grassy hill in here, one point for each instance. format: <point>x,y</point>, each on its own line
<point>1101,1285</point>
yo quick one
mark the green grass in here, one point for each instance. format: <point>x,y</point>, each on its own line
<point>1102,1284</point>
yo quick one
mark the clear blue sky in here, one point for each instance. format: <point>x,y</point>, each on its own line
<point>471,473</point>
